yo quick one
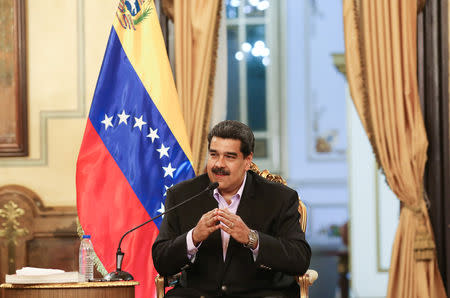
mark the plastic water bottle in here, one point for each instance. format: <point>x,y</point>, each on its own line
<point>86,260</point>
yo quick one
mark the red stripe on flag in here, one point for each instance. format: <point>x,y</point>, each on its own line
<point>110,208</point>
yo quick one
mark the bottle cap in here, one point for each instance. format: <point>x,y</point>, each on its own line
<point>86,236</point>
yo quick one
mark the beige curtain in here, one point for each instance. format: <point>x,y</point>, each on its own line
<point>196,28</point>
<point>380,41</point>
<point>219,109</point>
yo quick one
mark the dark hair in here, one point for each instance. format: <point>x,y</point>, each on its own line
<point>232,129</point>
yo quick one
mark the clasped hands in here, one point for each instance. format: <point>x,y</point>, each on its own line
<point>220,219</point>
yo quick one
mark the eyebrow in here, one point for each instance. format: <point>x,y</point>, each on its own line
<point>227,153</point>
<point>231,153</point>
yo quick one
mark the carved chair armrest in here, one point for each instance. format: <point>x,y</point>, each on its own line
<point>159,282</point>
<point>305,281</point>
<point>162,282</point>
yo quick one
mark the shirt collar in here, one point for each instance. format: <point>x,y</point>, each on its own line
<point>239,192</point>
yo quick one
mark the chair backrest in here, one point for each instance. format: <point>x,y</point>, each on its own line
<point>277,178</point>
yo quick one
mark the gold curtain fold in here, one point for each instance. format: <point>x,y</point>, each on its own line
<point>381,64</point>
<point>196,29</point>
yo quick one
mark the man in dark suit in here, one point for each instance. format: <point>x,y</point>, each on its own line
<point>241,240</point>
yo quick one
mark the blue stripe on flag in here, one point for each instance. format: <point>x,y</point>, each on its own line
<point>131,142</point>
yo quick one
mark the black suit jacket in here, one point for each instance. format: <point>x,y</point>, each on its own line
<point>267,207</point>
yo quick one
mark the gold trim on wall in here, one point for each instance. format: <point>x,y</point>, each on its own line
<point>11,227</point>
<point>12,230</point>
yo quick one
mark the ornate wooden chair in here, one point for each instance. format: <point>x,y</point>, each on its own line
<point>304,281</point>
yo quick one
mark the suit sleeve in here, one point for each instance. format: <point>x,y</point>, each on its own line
<point>287,251</point>
<point>169,251</point>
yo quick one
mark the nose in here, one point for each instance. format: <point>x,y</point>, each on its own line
<point>219,162</point>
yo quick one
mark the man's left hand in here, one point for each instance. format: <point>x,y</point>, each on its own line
<point>233,225</point>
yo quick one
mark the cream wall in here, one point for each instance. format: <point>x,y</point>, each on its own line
<point>374,211</point>
<point>66,41</point>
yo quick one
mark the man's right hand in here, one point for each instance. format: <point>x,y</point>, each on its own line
<point>207,224</point>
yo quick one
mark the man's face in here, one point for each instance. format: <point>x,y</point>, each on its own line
<point>227,165</point>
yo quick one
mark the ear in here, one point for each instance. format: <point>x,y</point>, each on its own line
<point>248,161</point>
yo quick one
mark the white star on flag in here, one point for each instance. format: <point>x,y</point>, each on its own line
<point>153,134</point>
<point>167,187</point>
<point>139,122</point>
<point>169,170</point>
<point>123,117</point>
<point>163,151</point>
<point>107,122</point>
<point>162,209</point>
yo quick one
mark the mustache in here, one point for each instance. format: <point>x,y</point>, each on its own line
<point>220,171</point>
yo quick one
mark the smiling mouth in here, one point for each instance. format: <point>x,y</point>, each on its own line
<point>220,172</point>
<point>220,176</point>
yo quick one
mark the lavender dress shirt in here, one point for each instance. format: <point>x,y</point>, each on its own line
<point>222,204</point>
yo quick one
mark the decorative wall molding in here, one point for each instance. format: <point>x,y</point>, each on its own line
<point>13,82</point>
<point>320,143</point>
<point>45,116</point>
<point>380,267</point>
<point>324,223</point>
<point>373,213</point>
<point>322,183</point>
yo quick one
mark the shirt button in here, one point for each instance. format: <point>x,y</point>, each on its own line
<point>224,288</point>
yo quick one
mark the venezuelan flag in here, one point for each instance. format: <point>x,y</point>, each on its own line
<point>135,144</point>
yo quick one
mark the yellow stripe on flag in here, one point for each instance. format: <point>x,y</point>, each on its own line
<point>146,51</point>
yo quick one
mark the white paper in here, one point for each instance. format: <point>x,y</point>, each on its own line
<point>25,271</point>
